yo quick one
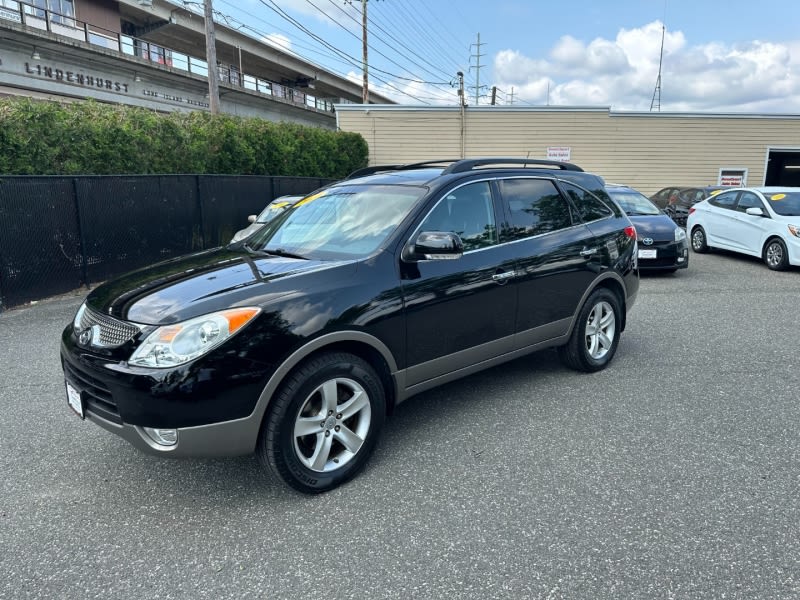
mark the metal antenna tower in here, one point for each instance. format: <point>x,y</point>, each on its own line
<point>656,101</point>
<point>477,56</point>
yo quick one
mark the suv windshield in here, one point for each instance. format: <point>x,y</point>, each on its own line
<point>785,203</point>
<point>345,221</point>
<point>634,203</point>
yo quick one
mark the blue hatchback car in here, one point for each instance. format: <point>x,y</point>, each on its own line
<point>662,243</point>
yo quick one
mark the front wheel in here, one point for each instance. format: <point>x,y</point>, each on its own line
<point>776,255</point>
<point>324,422</point>
<point>595,337</point>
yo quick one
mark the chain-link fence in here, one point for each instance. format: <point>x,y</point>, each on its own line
<point>58,233</point>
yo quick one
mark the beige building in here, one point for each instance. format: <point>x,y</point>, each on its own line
<point>647,151</point>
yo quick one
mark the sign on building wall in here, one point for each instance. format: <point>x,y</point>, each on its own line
<point>562,153</point>
<point>732,177</point>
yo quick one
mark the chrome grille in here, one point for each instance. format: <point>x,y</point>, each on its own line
<point>107,332</point>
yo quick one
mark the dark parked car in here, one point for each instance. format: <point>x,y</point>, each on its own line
<point>662,242</point>
<point>676,201</point>
<point>272,210</point>
<point>296,342</point>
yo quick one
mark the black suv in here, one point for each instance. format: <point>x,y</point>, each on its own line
<point>295,342</point>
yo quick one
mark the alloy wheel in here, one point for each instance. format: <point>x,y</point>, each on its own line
<point>600,330</point>
<point>332,424</point>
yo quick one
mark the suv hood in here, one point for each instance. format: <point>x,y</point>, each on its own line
<point>201,283</point>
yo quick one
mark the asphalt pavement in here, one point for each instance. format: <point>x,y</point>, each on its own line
<point>674,473</point>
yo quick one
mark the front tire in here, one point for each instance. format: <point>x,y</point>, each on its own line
<point>775,255</point>
<point>595,337</point>
<point>699,243</point>
<point>323,423</point>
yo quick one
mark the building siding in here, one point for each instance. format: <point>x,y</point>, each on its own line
<point>646,151</point>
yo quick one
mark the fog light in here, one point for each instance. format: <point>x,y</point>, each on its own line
<point>165,437</point>
<point>681,259</point>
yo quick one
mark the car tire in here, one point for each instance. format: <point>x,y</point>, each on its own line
<point>323,423</point>
<point>699,242</point>
<point>595,337</point>
<point>775,255</point>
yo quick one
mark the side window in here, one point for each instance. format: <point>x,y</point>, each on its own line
<point>467,211</point>
<point>589,206</point>
<point>725,200</point>
<point>536,207</point>
<point>749,200</point>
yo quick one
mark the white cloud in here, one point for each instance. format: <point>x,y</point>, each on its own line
<point>621,73</point>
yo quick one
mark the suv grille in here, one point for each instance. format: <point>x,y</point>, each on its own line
<point>97,397</point>
<point>110,332</point>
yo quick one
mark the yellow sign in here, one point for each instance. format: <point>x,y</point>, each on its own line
<point>777,197</point>
<point>311,198</point>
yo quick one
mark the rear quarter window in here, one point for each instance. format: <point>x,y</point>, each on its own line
<point>590,207</point>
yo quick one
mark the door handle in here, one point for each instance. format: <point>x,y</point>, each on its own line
<point>504,276</point>
<point>588,251</point>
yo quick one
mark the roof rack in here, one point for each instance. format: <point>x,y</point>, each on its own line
<point>472,163</point>
<point>384,168</point>
<point>462,165</point>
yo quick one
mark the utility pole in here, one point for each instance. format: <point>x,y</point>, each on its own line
<point>364,64</point>
<point>463,104</point>
<point>494,94</point>
<point>477,56</point>
<point>512,95</point>
<point>211,59</point>
<point>365,89</point>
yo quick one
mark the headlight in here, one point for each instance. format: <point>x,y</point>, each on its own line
<point>680,234</point>
<point>177,344</point>
<point>76,322</point>
<point>794,230</point>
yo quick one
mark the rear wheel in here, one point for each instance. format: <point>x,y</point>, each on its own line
<point>324,422</point>
<point>775,255</point>
<point>595,337</point>
<point>699,243</point>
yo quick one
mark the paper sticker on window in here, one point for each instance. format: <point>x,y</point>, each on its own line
<point>715,192</point>
<point>777,197</point>
<point>311,198</point>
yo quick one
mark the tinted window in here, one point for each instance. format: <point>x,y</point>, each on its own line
<point>661,198</point>
<point>467,211</point>
<point>749,200</point>
<point>590,206</point>
<point>536,207</point>
<point>725,200</point>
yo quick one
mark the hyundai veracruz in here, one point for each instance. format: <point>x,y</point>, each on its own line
<point>297,341</point>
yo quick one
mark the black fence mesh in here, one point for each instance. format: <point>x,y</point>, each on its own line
<point>40,249</point>
<point>57,233</point>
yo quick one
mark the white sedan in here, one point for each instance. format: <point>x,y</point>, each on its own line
<point>760,221</point>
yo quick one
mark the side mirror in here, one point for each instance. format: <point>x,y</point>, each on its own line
<point>434,245</point>
<point>252,218</point>
<point>755,211</point>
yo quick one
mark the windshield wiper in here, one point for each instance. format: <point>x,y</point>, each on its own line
<point>282,252</point>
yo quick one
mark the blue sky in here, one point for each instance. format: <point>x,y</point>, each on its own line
<point>724,56</point>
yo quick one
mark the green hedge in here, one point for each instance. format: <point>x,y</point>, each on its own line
<point>89,138</point>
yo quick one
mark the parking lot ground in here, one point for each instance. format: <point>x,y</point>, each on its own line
<point>674,473</point>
